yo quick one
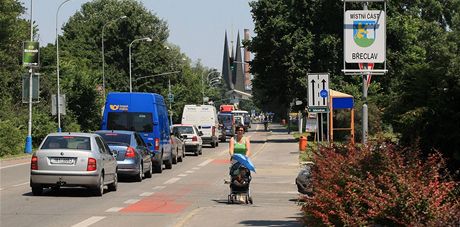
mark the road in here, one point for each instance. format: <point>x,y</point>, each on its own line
<point>192,193</point>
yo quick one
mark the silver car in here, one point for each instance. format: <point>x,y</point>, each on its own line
<point>73,159</point>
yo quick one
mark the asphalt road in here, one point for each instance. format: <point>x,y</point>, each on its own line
<point>192,193</point>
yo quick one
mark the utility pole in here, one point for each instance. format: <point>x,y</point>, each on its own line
<point>28,148</point>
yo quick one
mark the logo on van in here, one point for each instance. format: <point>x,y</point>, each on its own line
<point>119,107</point>
<point>114,107</point>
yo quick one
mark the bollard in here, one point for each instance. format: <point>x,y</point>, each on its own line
<point>303,143</point>
<point>283,122</point>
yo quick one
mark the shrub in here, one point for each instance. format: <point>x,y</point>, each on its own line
<point>12,139</point>
<point>380,185</point>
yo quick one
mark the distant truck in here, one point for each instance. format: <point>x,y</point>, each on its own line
<point>145,113</point>
<point>226,108</point>
<point>204,117</point>
<point>227,125</point>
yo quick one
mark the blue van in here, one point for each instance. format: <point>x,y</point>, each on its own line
<point>145,113</point>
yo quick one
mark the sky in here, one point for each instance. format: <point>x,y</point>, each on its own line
<point>196,26</point>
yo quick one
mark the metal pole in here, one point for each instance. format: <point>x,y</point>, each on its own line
<point>169,96</point>
<point>130,83</point>
<point>202,88</point>
<point>103,57</point>
<point>57,69</point>
<point>365,110</point>
<point>28,148</point>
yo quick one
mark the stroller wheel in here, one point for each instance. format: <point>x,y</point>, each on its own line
<point>246,199</point>
<point>250,199</point>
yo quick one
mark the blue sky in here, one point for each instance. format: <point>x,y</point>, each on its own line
<point>196,26</point>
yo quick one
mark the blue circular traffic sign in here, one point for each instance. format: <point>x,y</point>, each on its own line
<point>323,93</point>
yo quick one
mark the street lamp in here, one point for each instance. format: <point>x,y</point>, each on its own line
<point>57,69</point>
<point>141,39</point>
<point>169,89</point>
<point>103,61</point>
<point>202,85</point>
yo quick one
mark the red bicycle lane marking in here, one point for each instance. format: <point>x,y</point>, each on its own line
<point>221,161</point>
<point>165,203</point>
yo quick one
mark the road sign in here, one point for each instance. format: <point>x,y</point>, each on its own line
<point>318,92</point>
<point>35,88</point>
<point>62,105</point>
<point>364,35</point>
<point>30,56</point>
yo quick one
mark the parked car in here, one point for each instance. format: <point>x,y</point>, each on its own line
<point>73,159</point>
<point>145,113</point>
<point>192,137</point>
<point>178,147</point>
<point>204,117</point>
<point>304,179</point>
<point>132,154</point>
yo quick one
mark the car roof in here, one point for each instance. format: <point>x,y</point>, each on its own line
<point>188,125</point>
<point>72,134</point>
<point>116,131</point>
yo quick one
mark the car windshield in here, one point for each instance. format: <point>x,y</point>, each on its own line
<point>67,142</point>
<point>133,121</point>
<point>116,137</point>
<point>225,119</point>
<point>184,130</point>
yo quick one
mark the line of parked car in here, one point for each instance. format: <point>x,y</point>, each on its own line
<point>135,140</point>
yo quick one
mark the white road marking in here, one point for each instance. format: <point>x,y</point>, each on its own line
<point>172,180</point>
<point>205,162</point>
<point>182,175</point>
<point>189,171</point>
<point>196,168</point>
<point>114,209</point>
<point>159,187</point>
<point>21,184</point>
<point>20,164</point>
<point>89,221</point>
<point>147,194</point>
<point>131,201</point>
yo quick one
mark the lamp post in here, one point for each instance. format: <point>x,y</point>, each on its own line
<point>169,89</point>
<point>103,60</point>
<point>141,39</point>
<point>202,84</point>
<point>58,112</point>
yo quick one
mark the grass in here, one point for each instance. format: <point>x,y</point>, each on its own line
<point>15,156</point>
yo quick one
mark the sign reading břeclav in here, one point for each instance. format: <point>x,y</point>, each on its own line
<point>364,36</point>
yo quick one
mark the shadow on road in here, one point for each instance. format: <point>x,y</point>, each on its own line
<point>277,223</point>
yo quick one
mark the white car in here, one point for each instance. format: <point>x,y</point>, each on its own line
<point>73,159</point>
<point>192,137</point>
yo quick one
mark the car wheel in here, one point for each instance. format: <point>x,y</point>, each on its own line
<point>114,186</point>
<point>141,173</point>
<point>174,158</point>
<point>158,166</point>
<point>99,189</point>
<point>37,190</point>
<point>180,157</point>
<point>168,163</point>
<point>183,152</point>
<point>149,173</point>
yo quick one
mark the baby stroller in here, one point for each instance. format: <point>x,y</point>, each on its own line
<point>240,178</point>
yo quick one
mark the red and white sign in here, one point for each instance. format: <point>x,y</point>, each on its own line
<point>369,66</point>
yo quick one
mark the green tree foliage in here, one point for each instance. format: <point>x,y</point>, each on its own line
<point>418,98</point>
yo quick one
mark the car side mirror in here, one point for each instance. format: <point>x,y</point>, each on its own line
<point>199,126</point>
<point>200,133</point>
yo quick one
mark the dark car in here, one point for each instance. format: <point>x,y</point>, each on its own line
<point>304,179</point>
<point>178,147</point>
<point>132,154</point>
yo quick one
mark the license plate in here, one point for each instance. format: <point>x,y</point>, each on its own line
<point>64,161</point>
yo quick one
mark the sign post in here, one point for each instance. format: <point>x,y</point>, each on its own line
<point>318,98</point>
<point>365,44</point>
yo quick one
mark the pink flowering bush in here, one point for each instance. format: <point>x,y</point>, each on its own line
<point>380,185</point>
